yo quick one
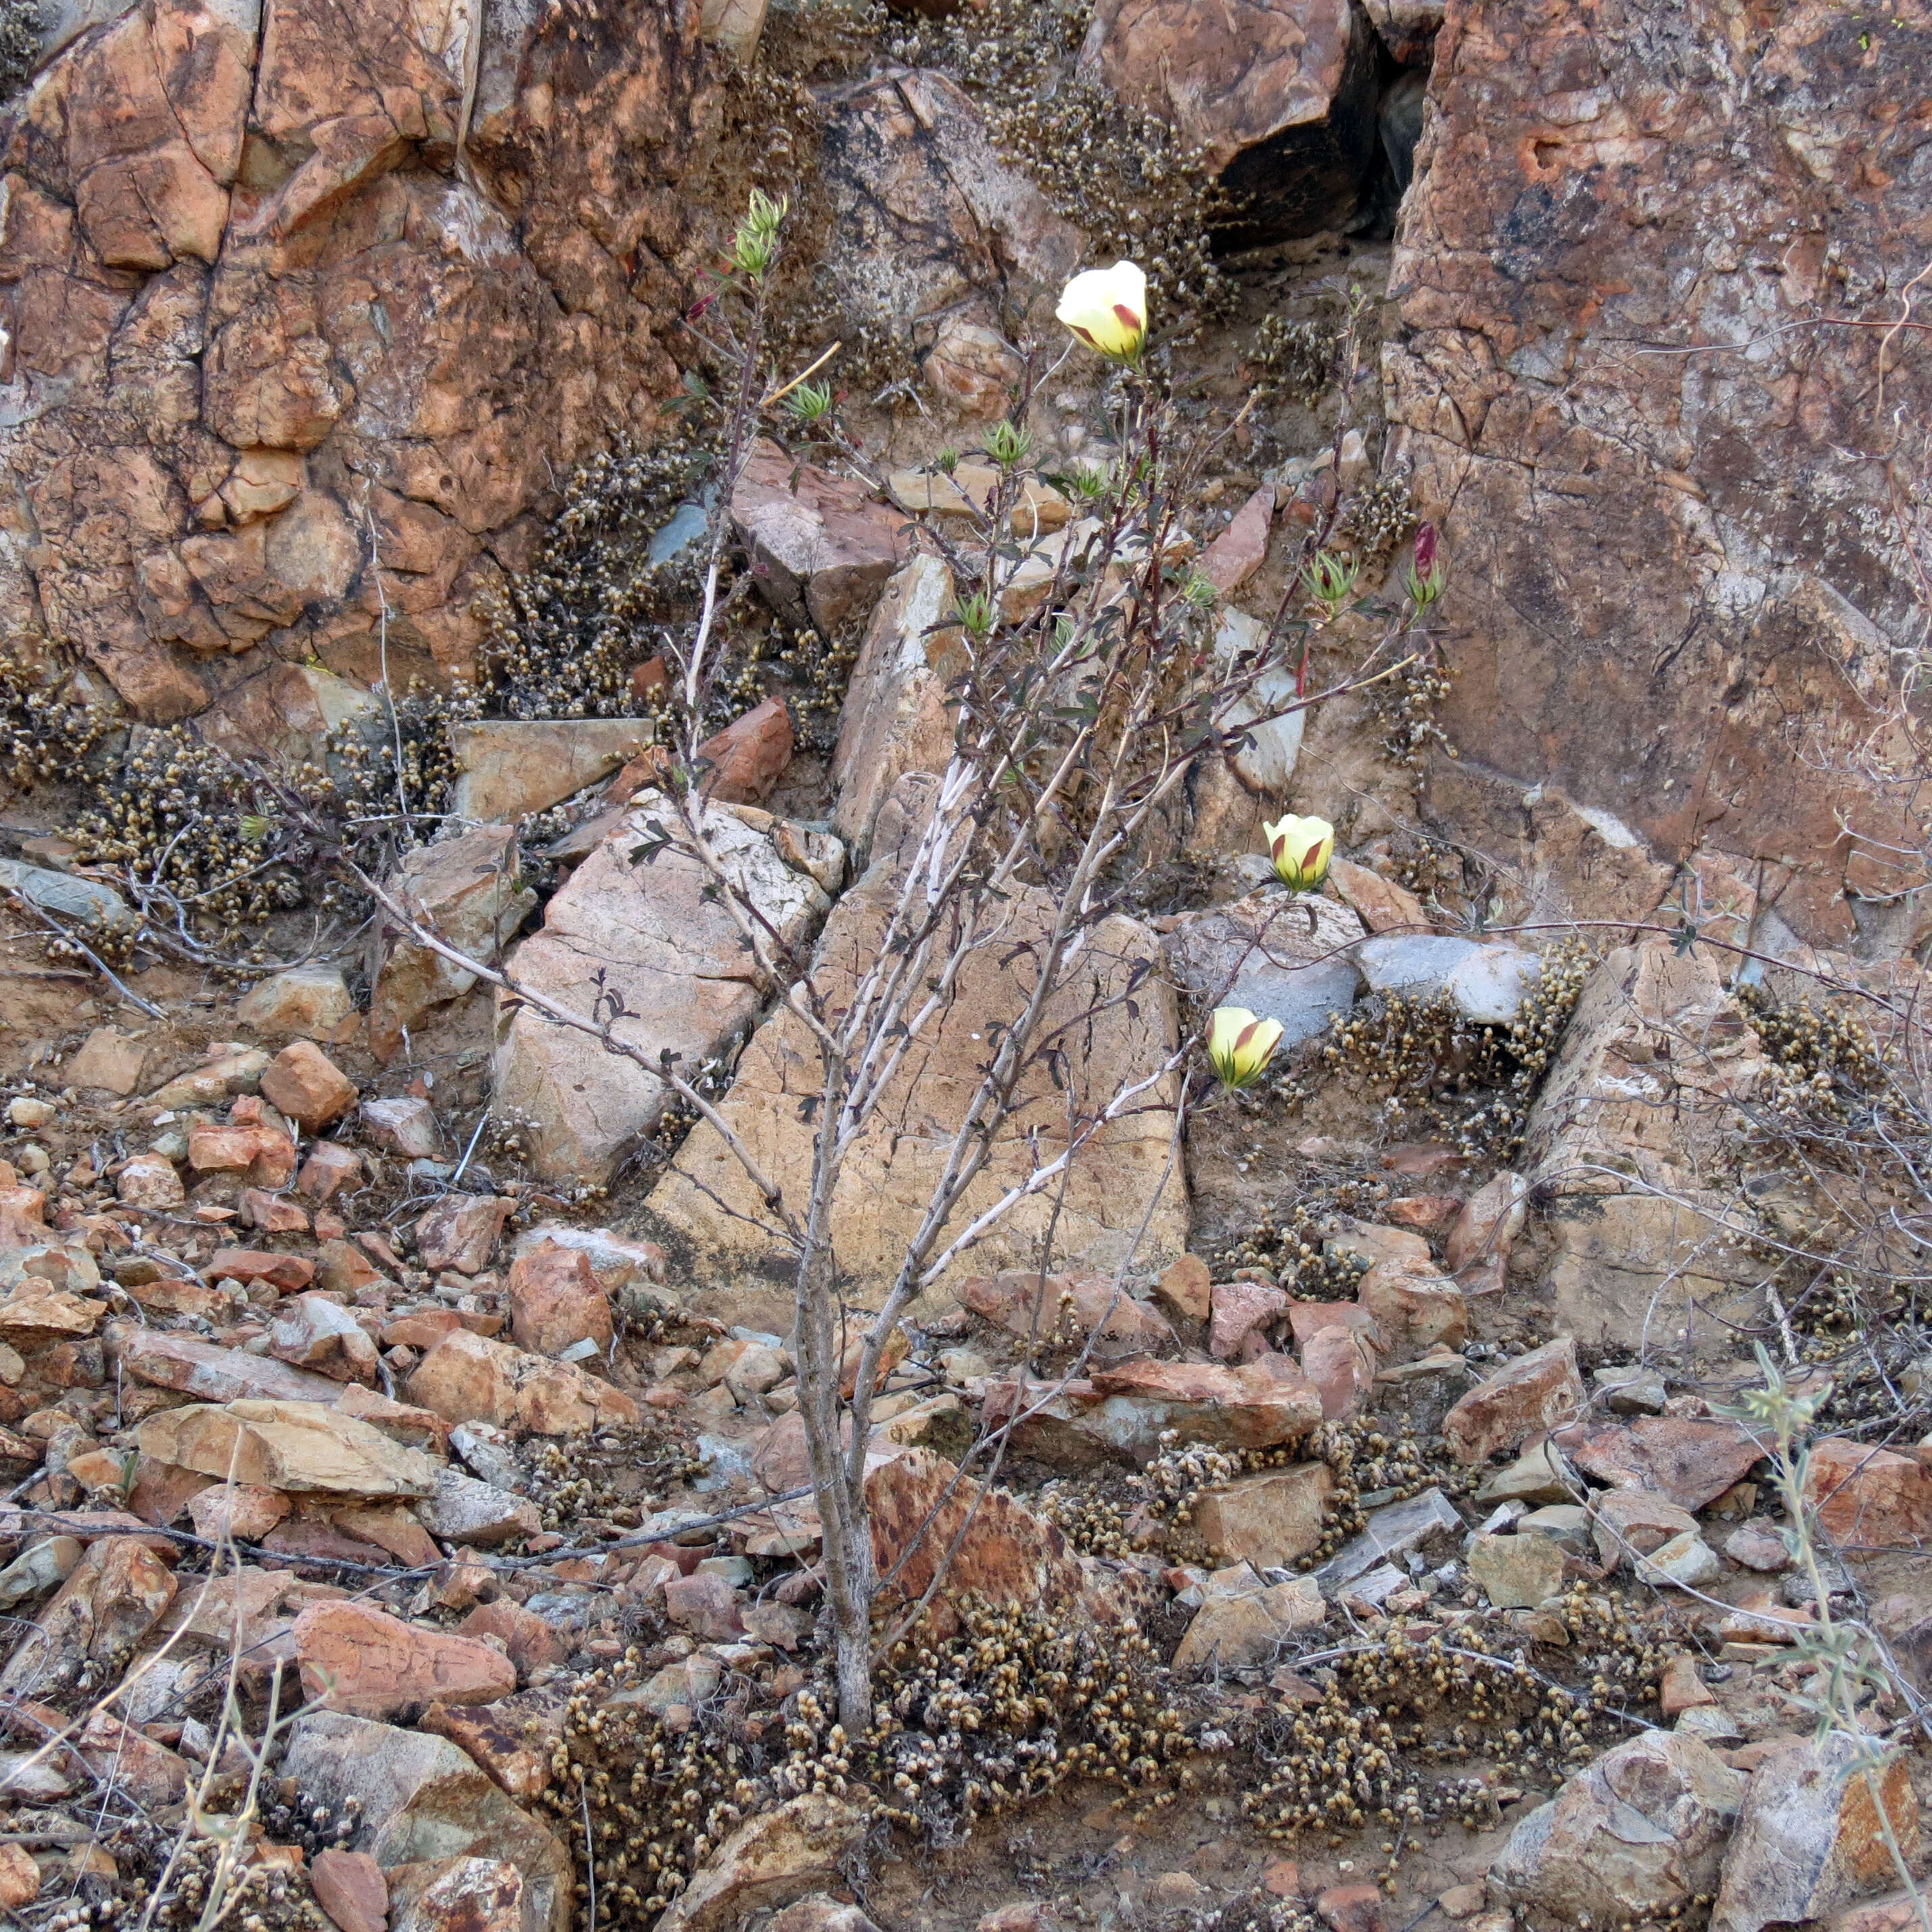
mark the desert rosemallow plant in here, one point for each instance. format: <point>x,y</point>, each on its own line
<point>1301,849</point>
<point>1240,1046</point>
<point>1107,308</point>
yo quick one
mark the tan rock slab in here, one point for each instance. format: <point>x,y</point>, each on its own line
<point>465,890</point>
<point>366,1663</point>
<point>769,1860</point>
<point>1269,1520</point>
<point>557,1303</point>
<point>1120,1181</point>
<point>654,934</point>
<point>508,767</point>
<point>1540,1391</point>
<point>206,1370</point>
<point>288,1446</point>
<point>349,1887</point>
<point>466,1378</point>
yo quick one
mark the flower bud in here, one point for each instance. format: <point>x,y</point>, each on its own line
<point>1300,848</point>
<point>1240,1045</point>
<point>1107,309</point>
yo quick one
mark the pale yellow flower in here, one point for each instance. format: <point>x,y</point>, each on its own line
<point>1300,848</point>
<point>1240,1045</point>
<point>1107,309</point>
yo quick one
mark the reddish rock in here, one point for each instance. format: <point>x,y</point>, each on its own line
<point>304,1084</point>
<point>295,1447</point>
<point>1187,1289</point>
<point>342,1269</point>
<point>266,1154</point>
<point>289,1273</point>
<point>1566,686</point>
<point>1350,1908</point>
<point>532,1645</point>
<point>1691,1460</point>
<point>414,1428</point>
<point>1082,1304</point>
<point>465,1894</point>
<point>1240,1309</point>
<point>1341,1362</point>
<point>1489,1222</point>
<point>513,1740</point>
<point>329,1167</point>
<point>1269,1520</point>
<point>313,1332</point>
<point>405,1126</point>
<point>149,1181</point>
<point>821,550</point>
<point>1241,549</point>
<point>466,1378</point>
<point>1630,1523</point>
<point>208,1372</point>
<point>461,1231</point>
<point>19,1878</point>
<point>1308,1318</point>
<point>1247,1407</point>
<point>149,1773</point>
<point>555,1302</point>
<point>1681,1689</point>
<point>107,1605</point>
<point>1281,96</point>
<point>1538,1392</point>
<point>1422,1210</point>
<point>1384,906</point>
<point>748,756</point>
<point>706,1605</point>
<point>1869,1498</point>
<point>245,1510</point>
<point>1008,1555</point>
<point>371,1664</point>
<point>1414,1307</point>
<point>425,1802</point>
<point>422,1328</point>
<point>272,1213</point>
<point>349,1887</point>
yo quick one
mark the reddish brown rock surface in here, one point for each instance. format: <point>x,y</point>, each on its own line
<point>1280,95</point>
<point>251,381</point>
<point>372,1665</point>
<point>1683,573</point>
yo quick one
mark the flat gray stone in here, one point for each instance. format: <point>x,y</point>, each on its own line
<point>1390,1532</point>
<point>1267,760</point>
<point>84,901</point>
<point>509,766</point>
<point>1274,953</point>
<point>1488,983</point>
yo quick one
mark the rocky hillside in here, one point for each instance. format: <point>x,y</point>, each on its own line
<point>852,1090</point>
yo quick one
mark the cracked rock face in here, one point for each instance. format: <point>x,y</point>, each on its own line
<point>261,332</point>
<point>1688,593</point>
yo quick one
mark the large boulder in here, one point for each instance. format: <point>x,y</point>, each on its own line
<point>1640,1832</point>
<point>271,341</point>
<point>1280,96</point>
<point>1285,957</point>
<point>1630,1144</point>
<point>1682,578</point>
<point>652,934</point>
<point>1121,1177</point>
<point>1812,1838</point>
<point>422,1798</point>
